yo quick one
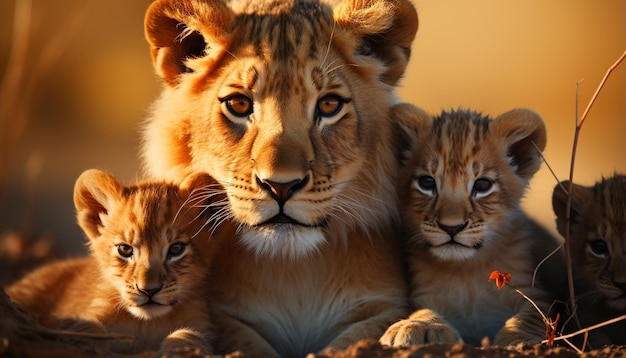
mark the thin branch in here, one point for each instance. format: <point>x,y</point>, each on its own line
<point>542,262</point>
<point>595,95</point>
<point>549,167</point>
<point>588,329</point>
<point>568,203</point>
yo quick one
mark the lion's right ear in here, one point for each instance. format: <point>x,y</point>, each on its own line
<point>180,31</point>
<point>386,29</point>
<point>409,122</point>
<point>95,194</point>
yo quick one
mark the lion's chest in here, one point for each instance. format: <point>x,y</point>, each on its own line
<point>295,316</point>
<point>295,307</point>
<point>299,324</point>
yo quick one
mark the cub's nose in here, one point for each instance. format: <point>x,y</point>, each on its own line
<point>149,291</point>
<point>452,230</point>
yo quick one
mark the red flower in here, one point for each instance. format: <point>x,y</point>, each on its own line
<point>501,278</point>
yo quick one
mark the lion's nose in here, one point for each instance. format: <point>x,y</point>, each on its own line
<point>281,192</point>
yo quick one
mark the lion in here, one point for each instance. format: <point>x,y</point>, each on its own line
<point>286,105</point>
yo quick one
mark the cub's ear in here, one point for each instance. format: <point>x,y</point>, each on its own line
<point>95,193</point>
<point>581,196</point>
<point>521,130</point>
<point>409,123</point>
<point>180,30</point>
<point>202,190</point>
<point>386,29</point>
<point>198,181</point>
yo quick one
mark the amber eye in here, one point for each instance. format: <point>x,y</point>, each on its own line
<point>599,247</point>
<point>124,250</point>
<point>329,106</point>
<point>427,184</point>
<point>482,186</point>
<point>238,105</point>
<point>176,249</point>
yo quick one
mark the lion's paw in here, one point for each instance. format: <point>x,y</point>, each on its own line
<point>410,331</point>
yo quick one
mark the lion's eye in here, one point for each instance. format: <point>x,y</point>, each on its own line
<point>599,247</point>
<point>238,105</point>
<point>176,249</point>
<point>329,106</point>
<point>427,184</point>
<point>125,250</point>
<point>482,186</point>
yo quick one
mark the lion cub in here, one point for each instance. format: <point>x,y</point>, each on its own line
<point>598,249</point>
<point>145,276</point>
<point>460,191</point>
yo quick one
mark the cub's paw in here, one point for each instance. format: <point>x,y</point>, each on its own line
<point>411,331</point>
<point>185,340</point>
<point>525,328</point>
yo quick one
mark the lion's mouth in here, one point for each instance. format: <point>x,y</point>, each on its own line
<point>281,219</point>
<point>452,242</point>
<point>285,219</point>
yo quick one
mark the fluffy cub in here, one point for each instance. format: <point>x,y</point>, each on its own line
<point>598,249</point>
<point>145,275</point>
<point>460,191</point>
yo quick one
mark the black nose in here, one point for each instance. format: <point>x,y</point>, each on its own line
<point>281,192</point>
<point>452,230</point>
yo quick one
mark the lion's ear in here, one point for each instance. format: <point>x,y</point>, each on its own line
<point>524,135</point>
<point>180,30</point>
<point>386,29</point>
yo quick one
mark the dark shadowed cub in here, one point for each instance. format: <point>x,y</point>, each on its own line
<point>460,192</point>
<point>598,249</point>
<point>286,104</point>
<point>146,273</point>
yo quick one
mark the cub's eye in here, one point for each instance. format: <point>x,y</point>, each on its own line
<point>238,105</point>
<point>599,247</point>
<point>176,249</point>
<point>124,250</point>
<point>482,186</point>
<point>427,184</point>
<point>329,106</point>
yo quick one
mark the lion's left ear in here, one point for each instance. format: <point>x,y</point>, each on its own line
<point>523,133</point>
<point>386,29</point>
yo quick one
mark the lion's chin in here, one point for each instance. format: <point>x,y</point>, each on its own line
<point>288,241</point>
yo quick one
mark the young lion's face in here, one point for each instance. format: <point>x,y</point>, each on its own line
<point>598,239</point>
<point>149,240</point>
<point>290,115</point>
<point>466,178</point>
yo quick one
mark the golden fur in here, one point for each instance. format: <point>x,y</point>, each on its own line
<point>285,104</point>
<point>145,276</point>
<point>460,191</point>
<point>598,249</point>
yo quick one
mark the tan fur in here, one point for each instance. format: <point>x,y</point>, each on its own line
<point>108,291</point>
<point>315,263</point>
<point>460,192</point>
<point>598,249</point>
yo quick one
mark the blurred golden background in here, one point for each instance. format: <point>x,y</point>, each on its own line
<point>90,81</point>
